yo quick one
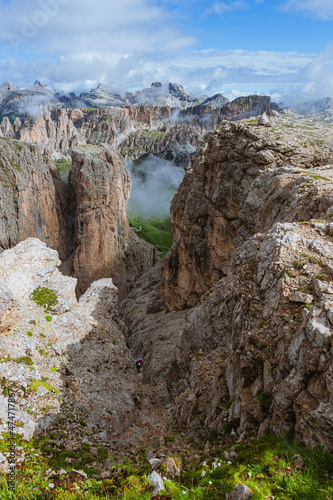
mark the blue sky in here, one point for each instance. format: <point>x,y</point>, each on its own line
<point>283,48</point>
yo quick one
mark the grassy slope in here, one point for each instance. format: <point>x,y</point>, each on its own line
<point>154,230</point>
<point>266,466</point>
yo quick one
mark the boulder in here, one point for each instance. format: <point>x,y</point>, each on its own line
<point>157,481</point>
<point>241,492</point>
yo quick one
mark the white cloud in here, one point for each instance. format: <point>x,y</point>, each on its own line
<point>318,9</point>
<point>206,71</point>
<point>129,44</point>
<point>318,75</point>
<point>98,27</point>
<point>221,8</point>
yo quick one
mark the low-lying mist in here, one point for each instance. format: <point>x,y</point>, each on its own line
<point>154,183</point>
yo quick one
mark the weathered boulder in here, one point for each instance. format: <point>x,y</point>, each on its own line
<point>69,362</point>
<point>172,469</point>
<point>157,481</point>
<point>241,492</point>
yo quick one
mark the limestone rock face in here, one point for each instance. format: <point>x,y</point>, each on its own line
<point>241,184</point>
<point>71,360</point>
<point>101,186</point>
<point>253,354</point>
<point>252,105</point>
<point>32,201</point>
<point>256,359</point>
<point>55,131</point>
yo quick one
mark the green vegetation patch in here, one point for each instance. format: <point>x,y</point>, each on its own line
<point>271,467</point>
<point>34,384</point>
<point>320,177</point>
<point>64,167</point>
<point>24,360</point>
<point>44,297</point>
<point>154,230</point>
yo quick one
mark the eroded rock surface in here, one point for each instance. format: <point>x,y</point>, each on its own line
<point>242,182</point>
<point>256,359</point>
<point>252,230</point>
<point>103,240</point>
<point>33,201</point>
<point>71,360</point>
<point>85,220</point>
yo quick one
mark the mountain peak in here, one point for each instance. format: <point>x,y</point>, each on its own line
<point>8,85</point>
<point>41,88</point>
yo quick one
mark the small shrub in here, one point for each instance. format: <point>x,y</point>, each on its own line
<point>102,453</point>
<point>212,436</point>
<point>44,297</point>
<point>265,400</point>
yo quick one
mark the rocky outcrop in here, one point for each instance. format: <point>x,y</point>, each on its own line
<point>172,132</point>
<point>101,186</point>
<point>68,363</point>
<point>177,145</point>
<point>244,107</point>
<point>85,221</point>
<point>33,202</point>
<point>252,229</point>
<point>257,360</point>
<point>241,184</point>
<point>55,131</point>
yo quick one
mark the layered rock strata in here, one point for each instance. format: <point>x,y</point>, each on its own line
<point>251,264</point>
<point>33,201</point>
<point>241,183</point>
<point>101,186</point>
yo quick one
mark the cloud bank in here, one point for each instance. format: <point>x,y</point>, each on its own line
<point>75,44</point>
<point>154,182</point>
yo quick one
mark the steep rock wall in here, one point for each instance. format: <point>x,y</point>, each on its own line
<point>33,199</point>
<point>253,357</point>
<point>242,182</point>
<point>85,220</point>
<point>254,352</point>
<point>101,185</point>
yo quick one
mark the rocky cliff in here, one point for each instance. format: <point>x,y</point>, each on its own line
<point>33,199</point>
<point>101,186</point>
<point>85,220</point>
<point>251,262</point>
<point>170,131</point>
<point>242,182</point>
<point>67,359</point>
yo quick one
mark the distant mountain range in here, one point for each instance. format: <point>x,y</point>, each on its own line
<point>30,101</point>
<point>16,101</point>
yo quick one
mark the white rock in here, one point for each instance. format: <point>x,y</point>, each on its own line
<point>157,481</point>
<point>304,298</point>
<point>155,463</point>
